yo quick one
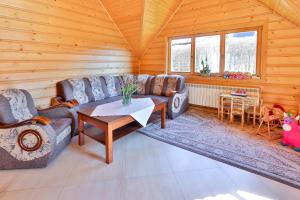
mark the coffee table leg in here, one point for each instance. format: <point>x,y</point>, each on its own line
<point>163,117</point>
<point>109,145</point>
<point>80,131</point>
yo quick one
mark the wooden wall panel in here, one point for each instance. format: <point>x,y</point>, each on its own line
<point>45,41</point>
<point>280,80</point>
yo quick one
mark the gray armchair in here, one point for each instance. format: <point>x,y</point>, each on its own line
<point>30,138</point>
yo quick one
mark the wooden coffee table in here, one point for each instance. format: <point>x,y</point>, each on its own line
<point>110,126</point>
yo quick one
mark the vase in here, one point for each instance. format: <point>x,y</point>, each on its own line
<point>126,100</point>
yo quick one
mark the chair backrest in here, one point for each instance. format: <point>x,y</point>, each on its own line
<point>237,105</point>
<point>16,106</point>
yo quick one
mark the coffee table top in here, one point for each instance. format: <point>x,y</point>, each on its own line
<point>108,119</point>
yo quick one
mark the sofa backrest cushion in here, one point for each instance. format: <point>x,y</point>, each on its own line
<point>16,106</point>
<point>127,79</point>
<point>164,84</point>
<point>113,86</point>
<point>98,87</point>
<point>144,84</point>
<point>175,83</point>
<point>75,88</point>
<point>158,85</point>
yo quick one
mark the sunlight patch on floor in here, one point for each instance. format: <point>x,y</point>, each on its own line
<point>241,194</point>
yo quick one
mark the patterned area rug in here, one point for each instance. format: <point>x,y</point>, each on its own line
<point>202,133</point>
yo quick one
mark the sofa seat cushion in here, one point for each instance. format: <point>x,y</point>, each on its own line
<point>152,96</point>
<point>99,102</point>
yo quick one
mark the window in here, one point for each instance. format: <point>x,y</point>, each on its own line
<point>208,48</point>
<point>181,52</point>
<point>240,52</point>
<point>219,52</point>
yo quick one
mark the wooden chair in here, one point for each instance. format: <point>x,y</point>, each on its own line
<point>237,108</point>
<point>253,110</point>
<point>271,117</point>
<point>224,107</point>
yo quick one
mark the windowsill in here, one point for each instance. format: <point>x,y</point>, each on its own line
<point>221,80</point>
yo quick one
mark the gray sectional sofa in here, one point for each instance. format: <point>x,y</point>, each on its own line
<point>31,138</point>
<point>97,90</point>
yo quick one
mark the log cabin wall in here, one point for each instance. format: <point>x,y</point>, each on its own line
<point>280,73</point>
<point>43,42</point>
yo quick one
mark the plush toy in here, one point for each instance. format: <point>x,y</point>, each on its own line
<point>291,134</point>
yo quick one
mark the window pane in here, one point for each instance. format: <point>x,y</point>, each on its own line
<point>208,47</point>
<point>181,55</point>
<point>240,52</point>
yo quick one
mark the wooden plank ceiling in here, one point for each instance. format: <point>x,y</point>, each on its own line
<point>140,20</point>
<point>290,9</point>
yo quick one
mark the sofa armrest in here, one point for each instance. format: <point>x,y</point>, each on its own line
<point>41,120</point>
<point>171,94</point>
<point>58,111</point>
<point>178,103</point>
<point>38,119</point>
<point>27,142</point>
<point>58,101</point>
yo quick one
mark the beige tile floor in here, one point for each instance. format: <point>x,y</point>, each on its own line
<point>143,168</point>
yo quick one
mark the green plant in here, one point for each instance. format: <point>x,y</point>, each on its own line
<point>128,90</point>
<point>205,67</point>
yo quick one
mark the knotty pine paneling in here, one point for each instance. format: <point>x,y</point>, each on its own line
<point>128,16</point>
<point>45,41</point>
<point>280,79</point>
<point>140,20</point>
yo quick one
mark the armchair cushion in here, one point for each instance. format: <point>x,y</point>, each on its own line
<point>59,125</point>
<point>62,128</point>
<point>16,106</point>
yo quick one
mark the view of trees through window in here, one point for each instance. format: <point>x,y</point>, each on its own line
<point>240,54</point>
<point>208,47</point>
<point>181,55</point>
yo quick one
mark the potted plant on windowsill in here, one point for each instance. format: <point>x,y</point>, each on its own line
<point>205,67</point>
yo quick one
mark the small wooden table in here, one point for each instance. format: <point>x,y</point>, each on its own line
<point>247,101</point>
<point>110,124</point>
